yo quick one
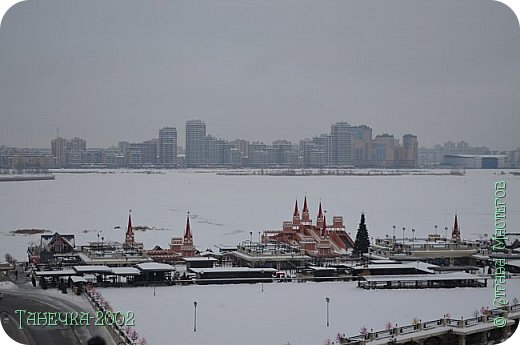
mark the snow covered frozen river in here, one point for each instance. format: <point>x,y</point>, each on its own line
<point>225,209</point>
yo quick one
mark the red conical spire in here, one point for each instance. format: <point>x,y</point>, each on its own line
<point>455,235</point>
<point>306,219</point>
<point>129,229</point>
<point>129,238</point>
<point>187,233</point>
<point>319,220</point>
<point>296,213</point>
<point>324,227</point>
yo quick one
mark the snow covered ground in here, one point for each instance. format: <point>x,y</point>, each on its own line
<point>286,312</point>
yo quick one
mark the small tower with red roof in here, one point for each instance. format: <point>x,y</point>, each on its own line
<point>306,219</point>
<point>188,249</point>
<point>455,234</point>
<point>320,219</point>
<point>296,217</point>
<point>129,237</point>
<point>323,232</point>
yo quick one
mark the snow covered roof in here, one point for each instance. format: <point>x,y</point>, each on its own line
<point>454,268</point>
<point>90,278</point>
<point>232,269</point>
<point>423,277</point>
<point>125,271</point>
<point>78,279</point>
<point>198,258</point>
<point>92,269</point>
<point>384,266</point>
<point>383,261</point>
<point>320,268</point>
<point>45,239</point>
<point>269,257</point>
<point>418,265</point>
<point>56,273</point>
<point>155,266</point>
<point>208,253</point>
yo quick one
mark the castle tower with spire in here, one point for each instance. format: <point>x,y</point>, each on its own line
<point>324,245</point>
<point>320,220</point>
<point>130,242</point>
<point>187,248</point>
<point>323,232</point>
<point>306,219</point>
<point>455,234</point>
<point>129,237</point>
<point>296,217</point>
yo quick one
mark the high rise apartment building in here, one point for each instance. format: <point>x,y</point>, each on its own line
<point>168,147</point>
<point>410,150</point>
<point>195,138</point>
<point>341,133</point>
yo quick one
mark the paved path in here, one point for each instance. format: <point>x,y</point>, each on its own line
<point>25,296</point>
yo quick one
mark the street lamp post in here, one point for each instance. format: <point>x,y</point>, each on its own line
<point>394,232</point>
<point>446,234</point>
<point>413,235</point>
<point>195,317</point>
<point>327,299</point>
<point>403,235</point>
<point>154,280</point>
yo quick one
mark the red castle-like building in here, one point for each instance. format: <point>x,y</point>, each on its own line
<point>318,240</point>
<point>180,247</point>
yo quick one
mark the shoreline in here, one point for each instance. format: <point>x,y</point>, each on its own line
<point>17,178</point>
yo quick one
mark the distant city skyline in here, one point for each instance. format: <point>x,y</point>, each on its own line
<point>181,137</point>
<point>345,146</point>
<point>263,71</point>
<point>180,131</point>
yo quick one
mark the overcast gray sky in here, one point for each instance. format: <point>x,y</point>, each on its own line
<point>112,70</point>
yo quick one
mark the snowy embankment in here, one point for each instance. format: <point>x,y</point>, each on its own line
<point>118,322</point>
<point>286,312</point>
<point>7,285</point>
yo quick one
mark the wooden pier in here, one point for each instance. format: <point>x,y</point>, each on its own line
<point>423,281</point>
<point>445,331</point>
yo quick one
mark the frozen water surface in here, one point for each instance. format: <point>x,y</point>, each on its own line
<point>225,209</point>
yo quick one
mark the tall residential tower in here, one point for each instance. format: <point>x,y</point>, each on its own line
<point>195,136</point>
<point>168,147</point>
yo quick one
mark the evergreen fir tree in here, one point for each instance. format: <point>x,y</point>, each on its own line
<point>362,242</point>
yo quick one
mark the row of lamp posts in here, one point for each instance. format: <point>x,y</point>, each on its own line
<point>413,232</point>
<point>327,299</point>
